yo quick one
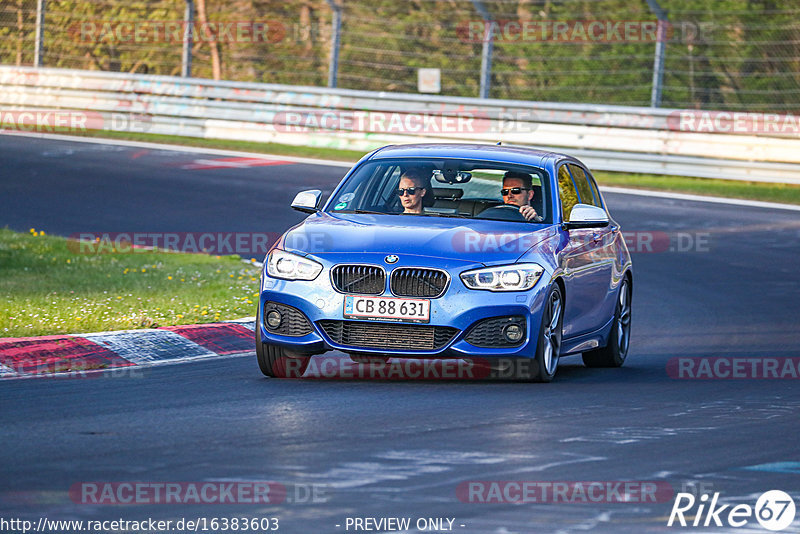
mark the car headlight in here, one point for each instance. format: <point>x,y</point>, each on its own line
<point>517,277</point>
<point>282,264</point>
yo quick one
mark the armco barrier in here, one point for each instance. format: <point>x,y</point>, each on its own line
<point>617,138</point>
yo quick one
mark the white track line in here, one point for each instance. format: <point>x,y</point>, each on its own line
<point>178,148</point>
<point>331,163</point>
<point>700,198</point>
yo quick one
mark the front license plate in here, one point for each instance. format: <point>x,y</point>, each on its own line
<point>387,309</point>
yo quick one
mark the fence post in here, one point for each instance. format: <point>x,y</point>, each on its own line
<point>38,50</point>
<point>487,50</point>
<point>333,67</point>
<point>188,26</point>
<point>658,60</point>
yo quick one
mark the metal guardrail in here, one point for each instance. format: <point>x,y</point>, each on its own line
<point>615,138</point>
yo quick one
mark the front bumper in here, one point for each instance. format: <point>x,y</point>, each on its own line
<point>458,308</point>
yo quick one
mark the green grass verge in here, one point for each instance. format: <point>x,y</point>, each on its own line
<point>50,288</point>
<point>768,192</point>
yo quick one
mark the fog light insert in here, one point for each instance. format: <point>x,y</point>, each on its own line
<point>512,333</point>
<point>498,332</point>
<point>273,318</point>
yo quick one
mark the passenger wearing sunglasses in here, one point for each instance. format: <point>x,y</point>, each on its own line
<point>411,192</point>
<point>518,191</point>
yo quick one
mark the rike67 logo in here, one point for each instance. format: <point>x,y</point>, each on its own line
<point>774,510</point>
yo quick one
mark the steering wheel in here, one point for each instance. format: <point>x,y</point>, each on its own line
<point>503,212</point>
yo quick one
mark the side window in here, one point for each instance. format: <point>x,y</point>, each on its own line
<point>380,192</point>
<point>390,181</point>
<point>595,191</point>
<point>566,191</point>
<point>587,196</point>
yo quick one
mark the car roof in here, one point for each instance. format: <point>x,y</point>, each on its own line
<point>499,153</point>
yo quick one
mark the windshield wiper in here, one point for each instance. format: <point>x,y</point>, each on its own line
<point>451,215</point>
<point>367,211</point>
<point>370,212</point>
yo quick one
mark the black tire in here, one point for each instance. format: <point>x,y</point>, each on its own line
<point>275,361</point>
<point>614,354</point>
<point>548,348</point>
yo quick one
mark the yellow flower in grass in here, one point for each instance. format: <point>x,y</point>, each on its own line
<point>144,270</point>
<point>169,278</point>
<point>203,312</point>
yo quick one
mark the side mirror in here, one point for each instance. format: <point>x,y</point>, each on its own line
<point>306,201</point>
<point>586,216</point>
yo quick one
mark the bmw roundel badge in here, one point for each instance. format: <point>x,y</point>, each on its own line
<point>391,258</point>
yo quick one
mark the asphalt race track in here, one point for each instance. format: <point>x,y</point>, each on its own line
<point>721,281</point>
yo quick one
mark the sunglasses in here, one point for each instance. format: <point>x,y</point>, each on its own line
<point>513,190</point>
<point>410,190</point>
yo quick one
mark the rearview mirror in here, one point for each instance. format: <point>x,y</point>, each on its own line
<point>451,176</point>
<point>306,201</point>
<point>586,216</point>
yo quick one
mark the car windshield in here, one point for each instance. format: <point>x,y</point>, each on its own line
<point>445,188</point>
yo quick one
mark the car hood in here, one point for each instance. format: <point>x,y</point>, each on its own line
<point>460,240</point>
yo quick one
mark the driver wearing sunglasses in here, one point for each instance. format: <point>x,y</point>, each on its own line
<point>518,191</point>
<point>411,192</point>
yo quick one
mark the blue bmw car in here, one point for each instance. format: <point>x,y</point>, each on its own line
<point>498,255</point>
